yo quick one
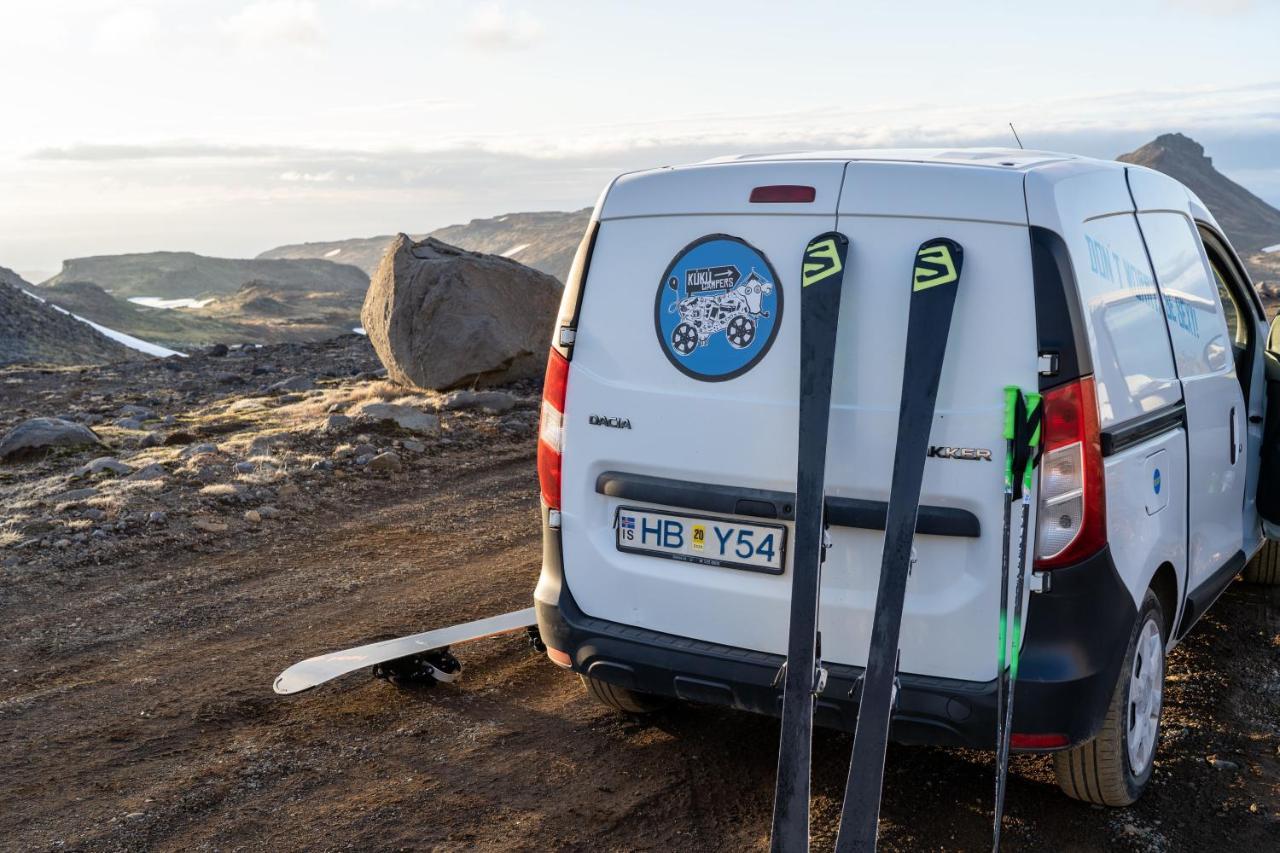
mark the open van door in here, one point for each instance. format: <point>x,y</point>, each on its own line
<point>1269,481</point>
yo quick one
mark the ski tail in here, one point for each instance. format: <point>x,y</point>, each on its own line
<point>933,293</point>
<point>822,277</point>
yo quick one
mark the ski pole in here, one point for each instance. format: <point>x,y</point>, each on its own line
<point>1010,409</point>
<point>1027,443</point>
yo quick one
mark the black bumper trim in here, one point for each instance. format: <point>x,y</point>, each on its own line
<point>1077,635</point>
<point>766,503</point>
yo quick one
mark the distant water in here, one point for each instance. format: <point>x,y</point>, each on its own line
<point>157,302</point>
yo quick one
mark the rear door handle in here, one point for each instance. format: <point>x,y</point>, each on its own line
<point>1233,435</point>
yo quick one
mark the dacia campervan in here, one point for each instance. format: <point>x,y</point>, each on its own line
<point>667,448</point>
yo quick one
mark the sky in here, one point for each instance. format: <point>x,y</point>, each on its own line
<point>227,127</point>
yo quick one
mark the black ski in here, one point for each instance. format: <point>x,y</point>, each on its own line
<point>821,278</point>
<point>933,295</point>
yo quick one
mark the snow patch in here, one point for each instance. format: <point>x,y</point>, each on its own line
<point>359,330</point>
<point>332,253</point>
<point>158,302</point>
<point>1270,249</point>
<point>120,337</point>
<point>514,250</point>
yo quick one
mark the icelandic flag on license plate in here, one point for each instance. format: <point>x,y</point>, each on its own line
<point>628,522</point>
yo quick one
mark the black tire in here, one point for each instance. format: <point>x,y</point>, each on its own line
<point>684,339</point>
<point>741,332</point>
<point>1264,568</point>
<point>1100,770</point>
<point>623,698</point>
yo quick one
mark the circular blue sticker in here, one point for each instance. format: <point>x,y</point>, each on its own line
<point>718,309</point>
<point>1155,481</point>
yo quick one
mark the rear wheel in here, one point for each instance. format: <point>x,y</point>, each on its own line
<point>1264,568</point>
<point>1114,768</point>
<point>623,698</point>
<point>684,338</point>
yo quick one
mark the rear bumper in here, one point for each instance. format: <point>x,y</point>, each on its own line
<point>1074,646</point>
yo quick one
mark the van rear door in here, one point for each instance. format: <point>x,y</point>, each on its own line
<point>704,376</point>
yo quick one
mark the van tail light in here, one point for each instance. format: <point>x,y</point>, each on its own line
<point>1072,517</point>
<point>551,428</point>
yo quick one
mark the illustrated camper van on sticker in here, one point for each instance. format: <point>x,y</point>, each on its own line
<point>718,303</point>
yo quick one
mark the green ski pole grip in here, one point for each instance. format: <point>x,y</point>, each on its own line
<point>1010,410</point>
<point>1033,442</point>
<point>1010,405</point>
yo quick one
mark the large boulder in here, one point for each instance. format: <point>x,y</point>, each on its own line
<point>31,437</point>
<point>441,317</point>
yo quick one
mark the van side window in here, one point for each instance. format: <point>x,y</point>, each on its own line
<point>1229,307</point>
<point>1197,327</point>
<point>1133,367</point>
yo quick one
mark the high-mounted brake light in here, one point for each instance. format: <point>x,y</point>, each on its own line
<point>783,194</point>
<point>1072,518</point>
<point>551,428</point>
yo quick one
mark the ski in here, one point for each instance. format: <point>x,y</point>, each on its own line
<point>1026,445</point>
<point>934,281</point>
<point>317,670</point>
<point>822,275</point>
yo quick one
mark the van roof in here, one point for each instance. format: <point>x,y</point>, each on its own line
<point>999,158</point>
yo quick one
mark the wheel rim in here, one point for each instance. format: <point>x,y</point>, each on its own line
<point>1146,694</point>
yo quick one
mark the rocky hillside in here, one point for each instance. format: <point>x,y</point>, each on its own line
<point>1251,224</point>
<point>34,333</point>
<point>96,463</point>
<point>545,241</point>
<point>257,312</point>
<point>172,275</point>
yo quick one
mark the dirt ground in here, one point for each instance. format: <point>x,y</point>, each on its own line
<point>136,710</point>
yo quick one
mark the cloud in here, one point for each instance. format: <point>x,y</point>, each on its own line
<point>313,177</point>
<point>126,30</point>
<point>1217,7</point>
<point>492,27</point>
<point>272,23</point>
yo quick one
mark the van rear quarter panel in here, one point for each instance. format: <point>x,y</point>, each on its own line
<point>743,432</point>
<point>1066,197</point>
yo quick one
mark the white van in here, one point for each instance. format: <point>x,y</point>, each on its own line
<point>667,451</point>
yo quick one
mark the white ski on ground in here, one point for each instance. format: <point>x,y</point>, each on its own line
<point>315,671</point>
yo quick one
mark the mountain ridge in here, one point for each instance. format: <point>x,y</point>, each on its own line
<point>190,275</point>
<point>545,240</point>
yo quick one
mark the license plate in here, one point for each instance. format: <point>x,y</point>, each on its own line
<point>708,541</point>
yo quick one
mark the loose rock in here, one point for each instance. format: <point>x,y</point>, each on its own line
<point>154,471</point>
<point>293,383</point>
<point>405,417</point>
<point>101,464</point>
<point>336,423</point>
<point>385,463</point>
<point>494,402</point>
<point>30,437</point>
